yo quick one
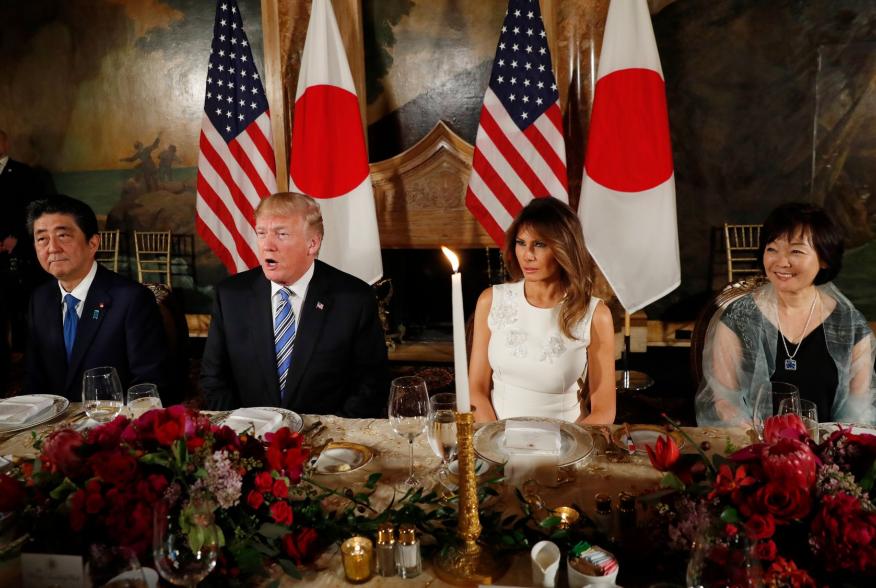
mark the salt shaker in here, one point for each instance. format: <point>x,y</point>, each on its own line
<point>604,518</point>
<point>386,550</point>
<point>407,552</point>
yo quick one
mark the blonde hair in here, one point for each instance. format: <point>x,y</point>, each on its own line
<point>293,204</point>
<point>558,226</point>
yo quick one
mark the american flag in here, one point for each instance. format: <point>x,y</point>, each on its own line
<point>520,153</point>
<point>236,165</point>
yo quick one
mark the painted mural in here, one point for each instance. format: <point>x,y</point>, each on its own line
<point>425,62</point>
<point>107,96</point>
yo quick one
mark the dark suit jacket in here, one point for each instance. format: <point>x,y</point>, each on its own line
<point>339,357</point>
<point>120,326</point>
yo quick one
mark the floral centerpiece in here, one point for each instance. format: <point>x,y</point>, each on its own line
<point>806,508</point>
<point>102,485</point>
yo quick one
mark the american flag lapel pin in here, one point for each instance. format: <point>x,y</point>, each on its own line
<point>319,306</point>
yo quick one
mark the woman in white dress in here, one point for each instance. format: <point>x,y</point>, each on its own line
<point>533,337</point>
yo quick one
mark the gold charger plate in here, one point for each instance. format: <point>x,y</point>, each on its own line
<point>644,435</point>
<point>342,457</point>
<point>576,444</point>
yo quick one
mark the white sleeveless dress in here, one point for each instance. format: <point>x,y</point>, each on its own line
<point>535,366</point>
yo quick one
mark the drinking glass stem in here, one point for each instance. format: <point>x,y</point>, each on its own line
<point>411,472</point>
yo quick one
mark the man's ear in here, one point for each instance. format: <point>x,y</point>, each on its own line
<point>314,241</point>
<point>94,242</point>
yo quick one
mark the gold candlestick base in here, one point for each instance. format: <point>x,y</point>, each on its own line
<point>470,563</point>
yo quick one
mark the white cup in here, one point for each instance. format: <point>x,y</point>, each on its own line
<point>545,563</point>
<point>579,580</point>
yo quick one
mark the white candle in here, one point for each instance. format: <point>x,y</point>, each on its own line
<point>460,357</point>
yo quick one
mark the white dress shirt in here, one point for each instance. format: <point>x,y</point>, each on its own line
<point>80,292</point>
<point>299,292</point>
<point>3,161</point>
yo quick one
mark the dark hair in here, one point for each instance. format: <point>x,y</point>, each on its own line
<point>794,217</point>
<point>61,204</point>
<point>557,224</point>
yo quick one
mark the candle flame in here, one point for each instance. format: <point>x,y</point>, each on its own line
<point>452,258</point>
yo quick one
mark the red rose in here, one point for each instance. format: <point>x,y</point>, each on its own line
<point>790,461</point>
<point>786,426</point>
<point>255,499</point>
<point>765,550</point>
<point>280,489</point>
<point>77,510</point>
<point>783,501</point>
<point>281,512</point>
<point>300,547</point>
<point>844,534</point>
<point>664,454</point>
<point>760,527</point>
<point>108,435</point>
<point>731,530</point>
<point>93,503</point>
<point>114,467</point>
<point>62,452</point>
<point>264,481</point>
<point>12,494</point>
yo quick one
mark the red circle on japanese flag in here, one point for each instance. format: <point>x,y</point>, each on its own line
<point>328,147</point>
<point>628,149</point>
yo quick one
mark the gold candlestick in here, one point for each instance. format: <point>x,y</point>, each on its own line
<point>469,563</point>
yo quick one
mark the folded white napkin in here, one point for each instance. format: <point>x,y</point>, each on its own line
<point>20,409</point>
<point>532,436</point>
<point>264,421</point>
<point>533,450</point>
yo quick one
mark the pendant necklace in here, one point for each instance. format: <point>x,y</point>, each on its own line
<point>790,362</point>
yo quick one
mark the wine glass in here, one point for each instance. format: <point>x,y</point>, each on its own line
<point>768,399</point>
<point>719,560</point>
<point>806,410</point>
<point>114,566</point>
<point>441,428</point>
<point>102,394</point>
<point>142,398</point>
<point>185,542</point>
<point>408,412</point>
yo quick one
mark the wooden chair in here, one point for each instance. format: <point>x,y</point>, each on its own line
<point>153,255</point>
<point>108,252</point>
<point>742,243</point>
<point>731,292</point>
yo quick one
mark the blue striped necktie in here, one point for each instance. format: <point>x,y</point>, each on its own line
<point>284,336</point>
<point>70,323</point>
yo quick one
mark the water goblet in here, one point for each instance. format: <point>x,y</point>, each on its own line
<point>142,398</point>
<point>185,542</point>
<point>102,394</point>
<point>441,428</point>
<point>408,413</point>
<point>806,410</point>
<point>767,401</point>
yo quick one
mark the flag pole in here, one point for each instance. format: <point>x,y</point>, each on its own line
<point>627,380</point>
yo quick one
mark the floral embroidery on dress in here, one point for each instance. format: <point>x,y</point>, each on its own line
<point>515,340</point>
<point>552,348</point>
<point>503,312</point>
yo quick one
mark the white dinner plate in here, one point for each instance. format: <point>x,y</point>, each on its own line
<point>291,419</point>
<point>644,435</point>
<point>58,406</point>
<point>575,443</point>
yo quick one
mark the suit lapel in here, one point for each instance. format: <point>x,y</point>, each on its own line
<point>262,321</point>
<point>97,304</point>
<point>52,324</point>
<point>314,310</point>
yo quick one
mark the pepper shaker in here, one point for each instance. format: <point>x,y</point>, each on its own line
<point>386,550</point>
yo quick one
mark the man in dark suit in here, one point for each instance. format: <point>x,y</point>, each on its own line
<point>88,316</point>
<point>295,332</point>
<point>19,272</point>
